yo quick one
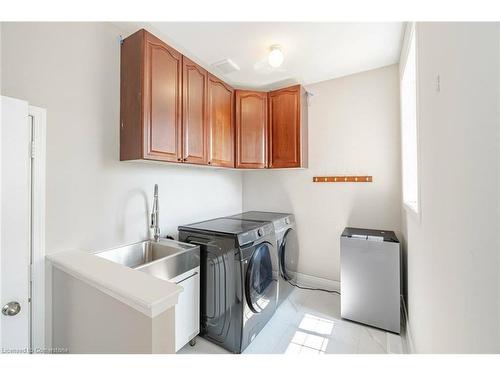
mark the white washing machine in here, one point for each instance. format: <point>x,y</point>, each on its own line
<point>286,243</point>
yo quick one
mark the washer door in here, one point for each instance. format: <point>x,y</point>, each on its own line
<point>259,288</point>
<point>289,255</point>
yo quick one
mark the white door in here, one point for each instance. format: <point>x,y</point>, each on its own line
<point>15,225</point>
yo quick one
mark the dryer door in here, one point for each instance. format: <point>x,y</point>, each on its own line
<point>260,290</point>
<point>289,255</point>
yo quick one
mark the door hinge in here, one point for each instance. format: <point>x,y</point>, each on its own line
<point>33,149</point>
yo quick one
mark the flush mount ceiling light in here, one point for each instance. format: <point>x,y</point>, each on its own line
<point>275,57</point>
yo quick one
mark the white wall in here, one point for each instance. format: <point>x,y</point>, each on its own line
<point>95,201</point>
<point>353,129</point>
<point>453,252</point>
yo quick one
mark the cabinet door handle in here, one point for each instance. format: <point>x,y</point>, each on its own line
<point>190,276</point>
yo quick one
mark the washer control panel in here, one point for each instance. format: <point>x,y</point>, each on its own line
<point>284,223</point>
<point>256,234</point>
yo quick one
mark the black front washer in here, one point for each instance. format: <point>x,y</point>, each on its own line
<point>287,258</point>
<point>259,278</point>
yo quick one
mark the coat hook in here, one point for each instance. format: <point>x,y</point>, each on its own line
<point>342,179</point>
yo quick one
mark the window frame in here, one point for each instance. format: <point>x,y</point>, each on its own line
<point>410,32</point>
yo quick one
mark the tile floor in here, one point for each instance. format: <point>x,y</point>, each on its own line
<point>309,322</point>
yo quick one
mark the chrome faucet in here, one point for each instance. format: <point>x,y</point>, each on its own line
<point>155,216</point>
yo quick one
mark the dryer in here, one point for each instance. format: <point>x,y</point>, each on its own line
<point>287,246</point>
<point>238,286</point>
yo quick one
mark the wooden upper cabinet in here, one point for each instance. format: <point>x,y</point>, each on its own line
<point>173,110</point>
<point>288,128</point>
<point>151,74</point>
<point>162,100</point>
<point>194,109</point>
<point>251,129</point>
<point>221,124</point>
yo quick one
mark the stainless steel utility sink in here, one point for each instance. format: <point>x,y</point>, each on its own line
<point>165,259</point>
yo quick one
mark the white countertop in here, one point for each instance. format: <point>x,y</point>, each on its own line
<point>147,294</point>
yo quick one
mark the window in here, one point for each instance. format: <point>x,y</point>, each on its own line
<point>409,125</point>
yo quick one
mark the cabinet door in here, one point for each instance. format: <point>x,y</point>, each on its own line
<point>162,101</point>
<point>221,125</point>
<point>285,128</point>
<point>251,129</point>
<point>187,310</point>
<point>194,109</point>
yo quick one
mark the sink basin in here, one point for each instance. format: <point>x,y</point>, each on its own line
<point>165,259</point>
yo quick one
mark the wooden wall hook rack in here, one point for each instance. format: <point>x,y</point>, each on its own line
<point>343,179</point>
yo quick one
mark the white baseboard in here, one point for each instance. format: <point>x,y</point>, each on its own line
<point>317,282</point>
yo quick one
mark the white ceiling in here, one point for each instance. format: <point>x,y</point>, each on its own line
<point>313,51</point>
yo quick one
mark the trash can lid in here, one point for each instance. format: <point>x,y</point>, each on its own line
<point>370,234</point>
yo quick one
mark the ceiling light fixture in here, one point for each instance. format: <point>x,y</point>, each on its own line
<point>275,57</point>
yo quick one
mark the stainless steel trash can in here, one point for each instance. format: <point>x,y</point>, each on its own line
<point>370,277</point>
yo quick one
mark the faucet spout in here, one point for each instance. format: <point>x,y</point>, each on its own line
<point>155,216</point>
